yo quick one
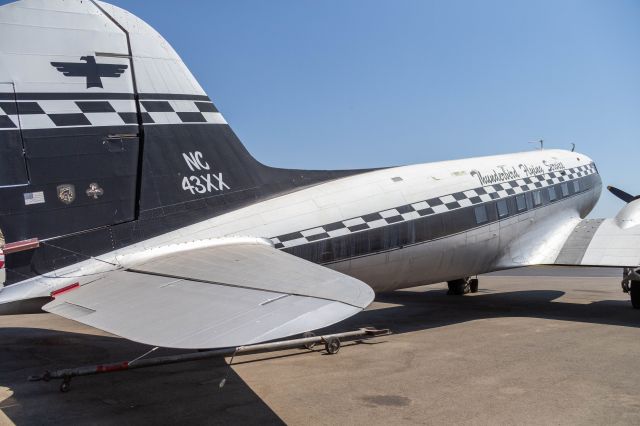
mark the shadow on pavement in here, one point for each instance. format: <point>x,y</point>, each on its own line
<point>178,394</point>
<point>420,310</point>
<point>190,392</point>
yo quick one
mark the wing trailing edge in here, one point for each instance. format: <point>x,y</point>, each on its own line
<point>220,296</point>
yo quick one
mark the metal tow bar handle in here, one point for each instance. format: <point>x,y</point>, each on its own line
<point>332,344</point>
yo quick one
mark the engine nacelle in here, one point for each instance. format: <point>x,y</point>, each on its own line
<point>629,216</point>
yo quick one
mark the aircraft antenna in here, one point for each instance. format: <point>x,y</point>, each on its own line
<point>541,142</point>
<point>573,146</point>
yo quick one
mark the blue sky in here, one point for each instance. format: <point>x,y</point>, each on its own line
<point>351,84</point>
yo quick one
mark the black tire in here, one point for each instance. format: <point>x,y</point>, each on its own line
<point>473,285</point>
<point>332,345</point>
<point>458,287</point>
<point>635,294</point>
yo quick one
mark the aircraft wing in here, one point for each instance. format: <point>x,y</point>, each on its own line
<point>220,296</point>
<point>601,242</point>
<point>571,241</point>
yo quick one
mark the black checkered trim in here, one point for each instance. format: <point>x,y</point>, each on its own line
<point>71,113</point>
<point>432,206</point>
<point>6,122</point>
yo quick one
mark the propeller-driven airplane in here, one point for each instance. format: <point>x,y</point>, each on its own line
<point>127,202</point>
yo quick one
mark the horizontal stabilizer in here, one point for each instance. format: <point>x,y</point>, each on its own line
<point>222,296</point>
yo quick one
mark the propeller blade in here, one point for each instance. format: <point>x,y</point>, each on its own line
<point>624,196</point>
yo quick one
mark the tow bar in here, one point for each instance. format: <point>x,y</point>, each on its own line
<point>332,343</point>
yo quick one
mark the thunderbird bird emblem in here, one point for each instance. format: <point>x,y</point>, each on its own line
<point>66,193</point>
<point>90,69</point>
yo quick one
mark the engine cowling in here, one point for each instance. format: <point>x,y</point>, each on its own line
<point>629,215</point>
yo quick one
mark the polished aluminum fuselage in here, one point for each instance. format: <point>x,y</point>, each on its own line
<point>533,236</point>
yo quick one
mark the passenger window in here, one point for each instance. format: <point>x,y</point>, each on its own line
<point>481,214</point>
<point>521,203</point>
<point>576,186</point>
<point>529,198</point>
<point>552,193</point>
<point>565,189</point>
<point>537,198</point>
<point>503,208</point>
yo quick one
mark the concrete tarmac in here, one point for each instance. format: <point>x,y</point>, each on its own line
<point>531,347</point>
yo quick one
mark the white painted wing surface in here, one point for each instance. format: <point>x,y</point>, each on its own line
<point>222,296</point>
<point>605,242</point>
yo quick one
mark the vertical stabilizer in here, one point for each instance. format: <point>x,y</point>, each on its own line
<point>102,124</point>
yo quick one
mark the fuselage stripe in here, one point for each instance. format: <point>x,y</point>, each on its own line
<point>107,109</point>
<point>433,206</point>
<point>375,240</point>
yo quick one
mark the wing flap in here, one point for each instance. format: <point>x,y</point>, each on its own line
<point>263,268</point>
<point>203,312</point>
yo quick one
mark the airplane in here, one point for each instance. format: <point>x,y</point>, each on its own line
<point>127,203</point>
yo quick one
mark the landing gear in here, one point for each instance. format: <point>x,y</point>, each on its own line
<point>635,294</point>
<point>458,287</point>
<point>463,286</point>
<point>631,285</point>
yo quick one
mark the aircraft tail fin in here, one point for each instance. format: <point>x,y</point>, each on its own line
<point>101,123</point>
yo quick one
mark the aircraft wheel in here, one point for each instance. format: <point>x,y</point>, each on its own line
<point>635,294</point>
<point>65,386</point>
<point>332,345</point>
<point>458,287</point>
<point>473,285</point>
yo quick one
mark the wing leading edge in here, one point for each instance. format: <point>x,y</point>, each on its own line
<point>221,296</point>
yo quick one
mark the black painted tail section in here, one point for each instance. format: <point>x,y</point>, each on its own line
<point>123,144</point>
<point>205,168</point>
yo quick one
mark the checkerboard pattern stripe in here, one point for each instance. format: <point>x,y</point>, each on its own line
<point>43,114</point>
<point>432,206</point>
